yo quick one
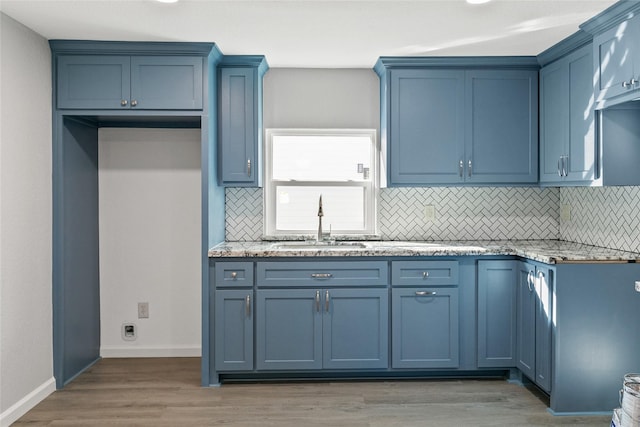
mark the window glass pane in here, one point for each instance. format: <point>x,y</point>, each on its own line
<point>321,157</point>
<point>297,208</point>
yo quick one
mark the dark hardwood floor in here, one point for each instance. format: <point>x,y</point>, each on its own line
<point>167,392</point>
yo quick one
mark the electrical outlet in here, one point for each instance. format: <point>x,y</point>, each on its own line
<point>429,213</point>
<point>565,213</point>
<point>143,310</point>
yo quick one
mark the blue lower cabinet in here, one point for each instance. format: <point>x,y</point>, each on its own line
<point>534,327</point>
<point>425,328</point>
<point>322,329</point>
<point>355,328</point>
<point>497,288</point>
<point>289,334</point>
<point>234,330</point>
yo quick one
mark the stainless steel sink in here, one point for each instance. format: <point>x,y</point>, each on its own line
<point>319,245</point>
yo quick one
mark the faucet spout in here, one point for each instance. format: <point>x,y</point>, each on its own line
<point>320,215</point>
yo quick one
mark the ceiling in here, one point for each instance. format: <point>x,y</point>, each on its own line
<point>318,33</point>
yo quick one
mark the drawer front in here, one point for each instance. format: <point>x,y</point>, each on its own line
<point>424,273</point>
<point>322,274</point>
<point>233,274</point>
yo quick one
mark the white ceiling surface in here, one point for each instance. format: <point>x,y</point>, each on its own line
<point>316,33</point>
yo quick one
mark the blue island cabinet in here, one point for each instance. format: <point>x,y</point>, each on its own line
<point>117,82</point>
<point>311,329</point>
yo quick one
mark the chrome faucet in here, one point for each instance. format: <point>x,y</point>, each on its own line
<point>320,215</point>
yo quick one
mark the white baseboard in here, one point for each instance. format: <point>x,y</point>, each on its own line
<point>119,351</point>
<point>24,405</point>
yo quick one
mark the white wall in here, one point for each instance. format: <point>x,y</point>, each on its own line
<point>26,349</point>
<point>149,202</point>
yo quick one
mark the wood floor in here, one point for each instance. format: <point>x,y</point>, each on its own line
<point>166,392</point>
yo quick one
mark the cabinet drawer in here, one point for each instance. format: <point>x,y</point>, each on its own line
<point>322,274</point>
<point>233,274</point>
<point>424,273</point>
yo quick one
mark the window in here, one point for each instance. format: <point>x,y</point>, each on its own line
<point>302,164</point>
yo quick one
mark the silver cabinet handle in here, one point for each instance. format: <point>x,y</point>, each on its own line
<point>326,301</point>
<point>530,279</point>
<point>540,275</point>
<point>633,82</point>
<point>626,84</point>
<point>248,305</point>
<point>124,102</point>
<point>134,103</point>
<point>248,167</point>
<point>234,275</point>
<point>461,166</point>
<point>425,274</point>
<point>317,301</point>
<point>321,275</point>
<point>559,170</point>
<point>565,165</point>
<point>425,293</point>
<point>470,168</point>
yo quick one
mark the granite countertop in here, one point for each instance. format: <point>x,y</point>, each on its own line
<point>546,251</point>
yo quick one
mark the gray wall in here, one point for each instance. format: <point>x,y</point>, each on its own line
<point>321,98</point>
<point>26,352</point>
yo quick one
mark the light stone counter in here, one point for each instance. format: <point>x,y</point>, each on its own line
<point>546,251</point>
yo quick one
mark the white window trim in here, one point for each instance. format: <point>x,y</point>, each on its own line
<point>371,196</point>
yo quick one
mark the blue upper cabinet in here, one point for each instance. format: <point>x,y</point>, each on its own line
<point>568,150</point>
<point>501,143</point>
<point>427,126</point>
<point>616,53</point>
<point>108,82</point>
<point>459,120</point>
<point>240,120</point>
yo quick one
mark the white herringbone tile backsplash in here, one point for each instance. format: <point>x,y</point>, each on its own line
<point>461,213</point>
<point>602,216</point>
<point>469,213</point>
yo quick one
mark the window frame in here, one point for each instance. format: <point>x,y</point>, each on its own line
<point>370,187</point>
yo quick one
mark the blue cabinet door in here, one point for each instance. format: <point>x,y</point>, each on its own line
<point>501,123</point>
<point>617,53</point>
<point>289,329</point>
<point>568,149</point>
<point>238,128</point>
<point>425,328</point>
<point>526,320</point>
<point>544,310</point>
<point>93,81</point>
<point>497,290</point>
<point>355,328</point>
<point>234,330</point>
<point>106,82</point>
<point>426,126</point>
<point>166,82</point>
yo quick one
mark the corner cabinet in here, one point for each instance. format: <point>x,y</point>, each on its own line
<point>452,122</point>
<point>115,82</point>
<point>535,313</point>
<point>497,296</point>
<point>568,149</point>
<point>240,120</point>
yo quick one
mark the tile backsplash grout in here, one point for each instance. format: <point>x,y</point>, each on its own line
<point>606,217</point>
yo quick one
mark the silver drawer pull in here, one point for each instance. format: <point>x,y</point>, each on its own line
<point>425,274</point>
<point>321,275</point>
<point>248,305</point>
<point>317,301</point>
<point>234,275</point>
<point>425,293</point>
<point>326,302</point>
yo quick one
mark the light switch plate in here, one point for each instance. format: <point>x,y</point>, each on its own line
<point>143,310</point>
<point>565,213</point>
<point>429,213</point>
